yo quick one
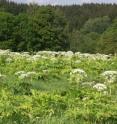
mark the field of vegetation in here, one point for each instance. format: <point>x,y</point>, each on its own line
<point>57,87</point>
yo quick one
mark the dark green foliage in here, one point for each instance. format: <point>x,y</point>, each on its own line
<point>86,39</point>
<point>6,25</point>
<point>83,28</point>
<point>43,30</point>
<point>50,30</point>
<point>14,8</point>
<point>98,25</point>
<point>84,43</point>
<point>47,31</point>
<point>6,29</point>
<point>77,15</point>
<point>108,40</point>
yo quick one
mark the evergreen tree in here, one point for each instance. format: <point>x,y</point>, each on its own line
<point>108,41</point>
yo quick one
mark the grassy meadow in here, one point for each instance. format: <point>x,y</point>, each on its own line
<point>57,87</point>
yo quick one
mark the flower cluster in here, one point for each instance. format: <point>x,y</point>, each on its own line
<point>109,76</point>
<point>100,87</point>
<point>77,75</point>
<point>9,60</point>
<point>36,56</point>
<point>25,75</point>
<point>93,56</point>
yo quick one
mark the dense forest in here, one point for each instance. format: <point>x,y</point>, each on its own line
<point>88,28</point>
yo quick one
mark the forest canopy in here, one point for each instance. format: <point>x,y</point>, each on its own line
<point>85,28</point>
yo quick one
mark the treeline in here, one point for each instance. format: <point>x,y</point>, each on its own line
<point>87,28</point>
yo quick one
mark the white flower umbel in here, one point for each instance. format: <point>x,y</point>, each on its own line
<point>23,76</point>
<point>4,52</point>
<point>77,62</point>
<point>77,75</point>
<point>20,72</point>
<point>9,60</point>
<point>109,76</point>
<point>26,75</point>
<point>97,56</point>
<point>31,73</point>
<point>78,71</point>
<point>100,87</point>
<point>69,54</point>
<point>35,57</point>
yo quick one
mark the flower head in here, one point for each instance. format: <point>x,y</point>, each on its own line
<point>100,87</point>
